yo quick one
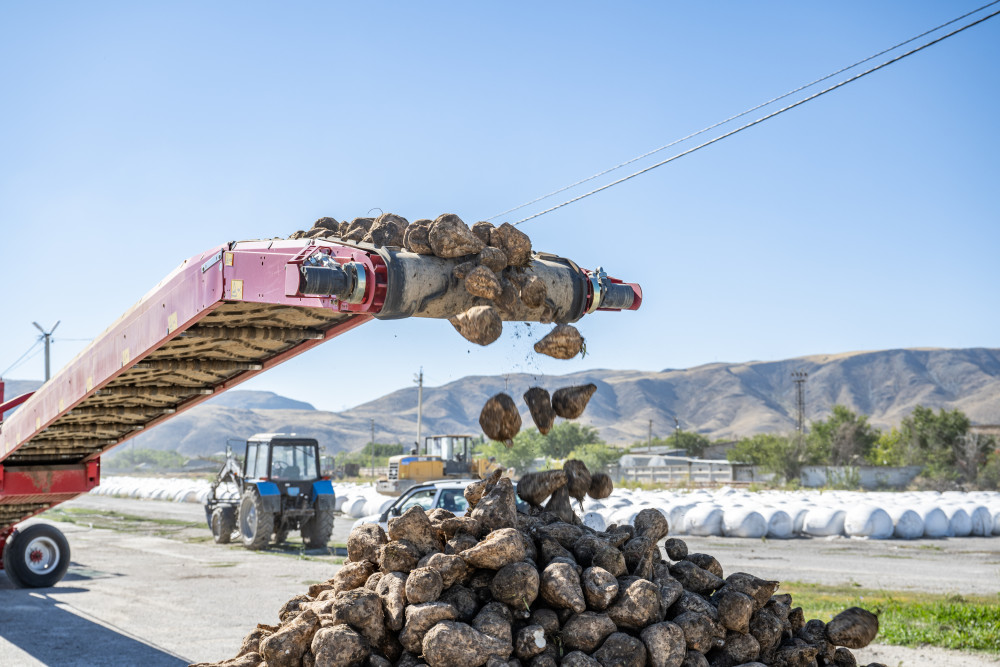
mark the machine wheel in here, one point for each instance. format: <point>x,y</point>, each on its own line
<point>223,524</point>
<point>256,525</point>
<point>36,557</point>
<point>317,529</point>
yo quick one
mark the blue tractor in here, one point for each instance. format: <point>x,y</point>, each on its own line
<point>277,489</point>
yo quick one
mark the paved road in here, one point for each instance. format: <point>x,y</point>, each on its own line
<point>140,599</point>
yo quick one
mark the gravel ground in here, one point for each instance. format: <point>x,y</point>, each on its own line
<point>172,598</point>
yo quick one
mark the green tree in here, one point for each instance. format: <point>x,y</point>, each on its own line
<point>596,455</point>
<point>937,442</point>
<point>525,449</point>
<point>564,437</point>
<point>779,454</point>
<point>889,449</point>
<point>844,438</point>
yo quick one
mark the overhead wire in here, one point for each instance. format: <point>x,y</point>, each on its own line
<point>772,114</point>
<point>21,358</point>
<point>742,113</point>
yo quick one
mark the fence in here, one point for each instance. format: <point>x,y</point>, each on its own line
<point>679,471</point>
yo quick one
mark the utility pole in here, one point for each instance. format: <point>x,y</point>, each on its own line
<point>677,433</point>
<point>419,379</point>
<point>373,449</point>
<point>649,438</point>
<point>47,337</point>
<point>799,378</point>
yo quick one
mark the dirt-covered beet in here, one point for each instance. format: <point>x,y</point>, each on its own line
<point>516,585</point>
<point>535,487</point>
<point>492,258</point>
<point>533,292</point>
<point>415,237</point>
<point>482,282</point>
<point>364,542</point>
<point>570,402</point>
<point>586,631</point>
<point>453,644</point>
<point>450,237</point>
<point>496,509</point>
<point>500,419</point>
<point>339,645</point>
<point>665,644</point>
<point>514,243</point>
<point>540,405</point>
<point>480,324</point>
<point>563,342</point>
<point>578,478</point>
<point>499,548</point>
<point>482,231</point>
<point>286,646</point>
<point>621,650</point>
<point>601,486</point>
<point>560,587</point>
<point>423,584</point>
<point>853,628</point>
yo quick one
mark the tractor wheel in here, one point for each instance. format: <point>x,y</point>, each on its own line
<point>317,529</point>
<point>256,525</point>
<point>36,557</point>
<point>223,524</point>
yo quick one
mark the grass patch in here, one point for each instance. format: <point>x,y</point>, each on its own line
<point>906,618</point>
<point>128,523</point>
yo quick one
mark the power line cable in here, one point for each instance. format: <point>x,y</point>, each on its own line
<point>22,358</point>
<point>743,113</point>
<point>763,118</point>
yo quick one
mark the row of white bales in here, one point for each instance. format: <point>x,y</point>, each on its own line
<point>720,512</point>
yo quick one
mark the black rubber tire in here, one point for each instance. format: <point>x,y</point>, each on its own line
<point>223,524</point>
<point>256,525</point>
<point>36,556</point>
<point>317,529</point>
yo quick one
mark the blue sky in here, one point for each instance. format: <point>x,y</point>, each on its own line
<point>135,135</point>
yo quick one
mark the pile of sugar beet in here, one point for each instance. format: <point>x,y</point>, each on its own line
<point>500,588</point>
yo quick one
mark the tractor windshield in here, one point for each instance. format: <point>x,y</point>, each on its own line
<point>293,462</point>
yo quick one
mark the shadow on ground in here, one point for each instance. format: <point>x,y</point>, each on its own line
<point>51,633</point>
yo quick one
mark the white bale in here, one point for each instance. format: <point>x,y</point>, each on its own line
<point>355,507</point>
<point>594,521</point>
<point>935,521</point>
<point>779,523</point>
<point>338,502</point>
<point>824,521</point>
<point>907,524</point>
<point>996,522</point>
<point>676,519</point>
<point>959,523</point>
<point>743,522</point>
<point>868,521</point>
<point>981,519</point>
<point>704,520</point>
<point>799,519</point>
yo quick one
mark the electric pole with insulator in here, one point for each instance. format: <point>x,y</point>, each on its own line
<point>799,378</point>
<point>47,337</point>
<point>373,448</point>
<point>419,379</point>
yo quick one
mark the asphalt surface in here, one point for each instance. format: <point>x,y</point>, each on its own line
<point>165,594</point>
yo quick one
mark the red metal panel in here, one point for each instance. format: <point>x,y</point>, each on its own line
<point>46,484</point>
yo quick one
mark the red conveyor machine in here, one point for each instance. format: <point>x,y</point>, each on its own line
<point>219,319</point>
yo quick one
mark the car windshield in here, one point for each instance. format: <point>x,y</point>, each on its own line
<point>453,500</point>
<point>293,462</point>
<point>424,498</point>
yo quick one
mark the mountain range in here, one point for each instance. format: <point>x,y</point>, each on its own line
<point>719,400</point>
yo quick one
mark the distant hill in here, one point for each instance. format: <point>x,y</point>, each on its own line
<point>257,400</point>
<point>721,400</point>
